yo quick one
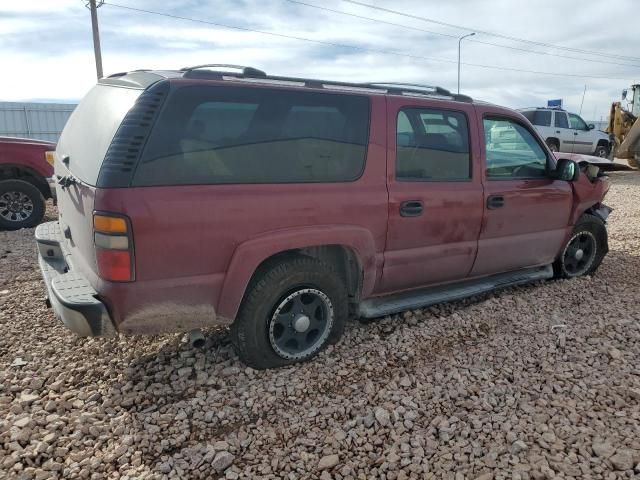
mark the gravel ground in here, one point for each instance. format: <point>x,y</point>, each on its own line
<point>528,383</point>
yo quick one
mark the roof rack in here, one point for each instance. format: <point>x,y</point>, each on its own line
<point>246,71</point>
<point>251,73</point>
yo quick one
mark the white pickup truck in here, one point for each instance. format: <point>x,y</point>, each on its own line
<point>568,132</point>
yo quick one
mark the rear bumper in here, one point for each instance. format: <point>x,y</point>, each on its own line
<point>72,298</point>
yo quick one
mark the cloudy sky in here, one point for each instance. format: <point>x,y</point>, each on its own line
<point>46,50</point>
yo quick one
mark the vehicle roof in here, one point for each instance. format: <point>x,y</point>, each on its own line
<point>234,73</point>
<point>26,141</point>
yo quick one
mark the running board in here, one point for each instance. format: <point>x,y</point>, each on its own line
<point>381,306</point>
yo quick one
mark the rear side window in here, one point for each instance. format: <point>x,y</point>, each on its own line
<point>561,120</point>
<point>432,145</point>
<point>541,118</point>
<point>217,135</point>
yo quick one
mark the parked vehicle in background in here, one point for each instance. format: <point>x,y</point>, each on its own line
<point>281,206</point>
<point>25,181</point>
<point>568,132</point>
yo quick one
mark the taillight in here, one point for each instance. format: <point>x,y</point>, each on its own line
<point>50,157</point>
<point>114,247</point>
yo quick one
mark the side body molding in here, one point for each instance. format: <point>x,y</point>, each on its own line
<point>250,254</point>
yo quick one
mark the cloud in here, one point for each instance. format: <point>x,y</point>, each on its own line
<point>46,49</point>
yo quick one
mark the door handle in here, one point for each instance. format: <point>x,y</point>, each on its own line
<point>411,208</point>
<point>575,133</point>
<point>557,131</point>
<point>495,201</point>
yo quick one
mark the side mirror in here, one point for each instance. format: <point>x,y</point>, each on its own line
<point>566,170</point>
<point>591,126</point>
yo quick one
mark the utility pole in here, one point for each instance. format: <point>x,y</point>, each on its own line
<point>93,6</point>
<point>459,42</point>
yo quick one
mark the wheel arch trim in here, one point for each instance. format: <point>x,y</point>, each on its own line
<point>249,255</point>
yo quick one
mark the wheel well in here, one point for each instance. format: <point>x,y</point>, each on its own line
<point>603,143</point>
<point>342,258</point>
<point>553,140</point>
<point>15,172</point>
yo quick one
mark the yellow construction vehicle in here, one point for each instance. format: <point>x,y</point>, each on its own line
<point>624,128</point>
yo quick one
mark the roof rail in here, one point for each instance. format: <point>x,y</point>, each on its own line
<point>414,86</point>
<point>245,71</point>
<point>210,71</point>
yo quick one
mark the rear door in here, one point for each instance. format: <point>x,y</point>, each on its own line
<point>563,131</point>
<point>526,213</point>
<point>435,193</point>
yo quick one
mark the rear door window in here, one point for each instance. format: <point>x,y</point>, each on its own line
<point>432,145</point>
<point>561,120</point>
<point>216,135</point>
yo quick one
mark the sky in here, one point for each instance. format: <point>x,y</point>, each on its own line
<point>46,49</point>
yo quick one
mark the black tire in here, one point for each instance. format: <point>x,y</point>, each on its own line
<point>553,145</point>
<point>21,205</point>
<point>601,151</point>
<point>252,331</point>
<point>592,231</point>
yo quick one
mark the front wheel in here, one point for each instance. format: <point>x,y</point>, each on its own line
<point>290,312</point>
<point>553,145</point>
<point>601,151</point>
<point>21,205</point>
<point>585,249</point>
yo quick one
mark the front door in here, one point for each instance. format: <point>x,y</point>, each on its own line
<point>435,194</point>
<point>582,135</point>
<point>526,217</point>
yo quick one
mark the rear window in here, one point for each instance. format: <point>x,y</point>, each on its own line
<point>217,135</point>
<point>541,118</point>
<point>91,127</point>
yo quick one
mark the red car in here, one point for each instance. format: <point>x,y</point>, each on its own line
<point>25,181</point>
<point>282,206</point>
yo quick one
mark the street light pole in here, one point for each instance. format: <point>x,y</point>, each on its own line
<point>459,43</point>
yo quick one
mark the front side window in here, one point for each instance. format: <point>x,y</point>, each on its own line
<point>576,122</point>
<point>561,120</point>
<point>512,151</point>
<point>217,135</point>
<point>432,145</point>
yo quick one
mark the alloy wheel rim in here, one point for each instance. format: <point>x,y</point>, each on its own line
<point>301,323</point>
<point>579,254</point>
<point>15,206</point>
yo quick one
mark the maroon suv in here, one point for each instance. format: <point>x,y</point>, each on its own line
<point>25,181</point>
<point>282,206</point>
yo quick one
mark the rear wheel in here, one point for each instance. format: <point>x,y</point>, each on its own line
<point>290,313</point>
<point>553,145</point>
<point>21,205</point>
<point>585,249</point>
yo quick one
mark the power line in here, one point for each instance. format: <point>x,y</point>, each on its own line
<point>492,34</point>
<point>408,27</point>
<point>355,47</point>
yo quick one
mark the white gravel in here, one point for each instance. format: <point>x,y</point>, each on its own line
<point>528,383</point>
